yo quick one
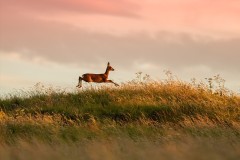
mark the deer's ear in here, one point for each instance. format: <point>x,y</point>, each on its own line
<point>108,63</point>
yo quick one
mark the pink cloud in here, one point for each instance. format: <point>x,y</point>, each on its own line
<point>194,14</point>
<point>216,18</point>
<point>109,7</point>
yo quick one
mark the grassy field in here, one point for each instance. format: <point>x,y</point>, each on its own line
<point>141,119</point>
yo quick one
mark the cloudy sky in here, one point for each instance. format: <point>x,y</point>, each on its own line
<point>55,41</point>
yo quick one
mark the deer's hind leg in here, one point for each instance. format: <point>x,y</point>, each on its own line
<point>79,82</point>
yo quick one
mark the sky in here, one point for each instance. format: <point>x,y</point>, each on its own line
<point>55,41</point>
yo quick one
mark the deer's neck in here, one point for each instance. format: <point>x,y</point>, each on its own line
<point>107,72</point>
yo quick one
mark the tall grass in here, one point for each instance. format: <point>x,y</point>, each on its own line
<point>162,112</point>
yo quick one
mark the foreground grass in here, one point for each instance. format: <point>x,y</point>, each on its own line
<point>162,119</point>
<point>187,148</point>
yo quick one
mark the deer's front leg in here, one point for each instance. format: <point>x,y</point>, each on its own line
<point>110,81</point>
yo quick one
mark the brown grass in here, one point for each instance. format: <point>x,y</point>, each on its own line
<point>140,120</point>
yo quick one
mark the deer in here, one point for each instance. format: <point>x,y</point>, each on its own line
<point>97,78</point>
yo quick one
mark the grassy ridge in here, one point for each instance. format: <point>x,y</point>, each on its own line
<point>134,109</point>
<point>134,121</point>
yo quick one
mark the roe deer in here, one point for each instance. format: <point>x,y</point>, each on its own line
<point>98,78</point>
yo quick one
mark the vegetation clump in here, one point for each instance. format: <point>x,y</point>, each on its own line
<point>143,109</point>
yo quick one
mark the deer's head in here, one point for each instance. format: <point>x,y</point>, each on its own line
<point>109,67</point>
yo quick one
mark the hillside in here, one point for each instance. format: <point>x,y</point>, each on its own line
<point>156,113</point>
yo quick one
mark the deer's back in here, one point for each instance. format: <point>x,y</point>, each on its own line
<point>90,77</point>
